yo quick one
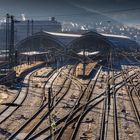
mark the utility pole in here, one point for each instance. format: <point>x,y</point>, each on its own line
<point>11,46</point>
<point>28,28</point>
<point>32,27</point>
<point>7,36</point>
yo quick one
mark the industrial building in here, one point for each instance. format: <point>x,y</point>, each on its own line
<point>24,29</point>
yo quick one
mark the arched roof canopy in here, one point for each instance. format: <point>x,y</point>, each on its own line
<point>90,42</point>
<point>40,42</point>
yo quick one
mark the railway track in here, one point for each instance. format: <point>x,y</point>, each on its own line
<point>83,111</point>
<point>127,121</point>
<point>105,113</point>
<point>21,104</point>
<point>67,126</point>
<point>75,105</point>
<point>64,118</point>
<point>131,96</point>
<point>39,116</point>
<point>76,117</point>
<point>116,118</point>
<point>8,111</point>
<point>82,100</point>
<point>38,111</point>
<point>95,101</point>
<point>71,120</point>
<point>45,119</point>
<point>115,112</point>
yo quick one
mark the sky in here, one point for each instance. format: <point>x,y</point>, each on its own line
<point>124,11</point>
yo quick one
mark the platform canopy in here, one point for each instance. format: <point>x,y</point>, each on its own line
<point>40,42</point>
<point>32,53</point>
<point>82,53</point>
<point>91,42</point>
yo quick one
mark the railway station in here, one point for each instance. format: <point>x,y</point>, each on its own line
<point>71,86</point>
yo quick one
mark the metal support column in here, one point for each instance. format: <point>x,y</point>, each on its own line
<point>11,47</point>
<point>49,108</point>
<point>32,27</point>
<point>7,36</point>
<point>84,64</point>
<point>28,28</point>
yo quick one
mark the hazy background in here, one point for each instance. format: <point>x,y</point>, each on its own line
<point>124,11</point>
